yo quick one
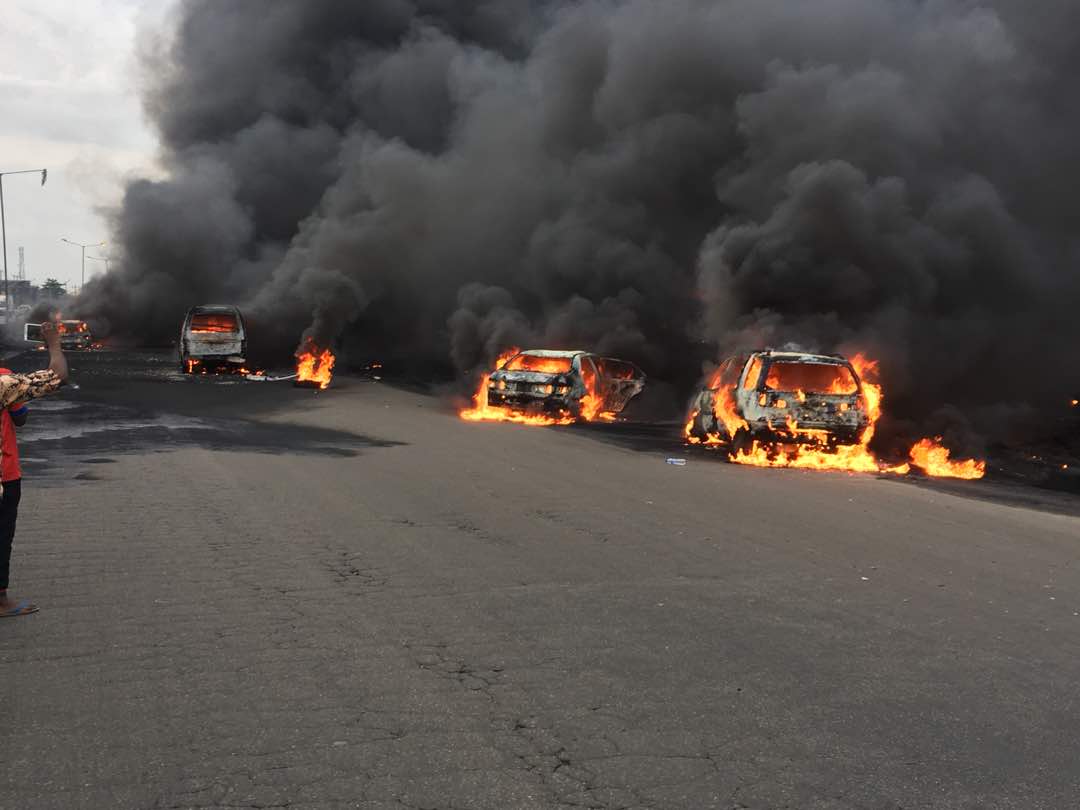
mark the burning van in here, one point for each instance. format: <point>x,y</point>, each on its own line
<point>75,335</point>
<point>212,336</point>
<point>548,387</point>
<point>778,397</point>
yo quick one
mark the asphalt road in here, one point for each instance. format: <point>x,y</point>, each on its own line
<point>259,596</point>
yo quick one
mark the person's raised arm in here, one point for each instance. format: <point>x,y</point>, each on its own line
<point>50,333</point>
<point>20,387</point>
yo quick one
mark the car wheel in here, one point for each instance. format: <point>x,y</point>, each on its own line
<point>742,442</point>
<point>698,430</point>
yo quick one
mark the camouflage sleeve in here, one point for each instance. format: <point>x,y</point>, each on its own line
<point>20,387</point>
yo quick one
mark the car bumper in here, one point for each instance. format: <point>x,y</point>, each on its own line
<point>530,402</point>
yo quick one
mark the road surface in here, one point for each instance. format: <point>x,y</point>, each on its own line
<point>259,596</point>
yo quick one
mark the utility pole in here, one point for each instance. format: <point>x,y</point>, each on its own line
<point>22,265</point>
<point>83,248</point>
<point>3,225</point>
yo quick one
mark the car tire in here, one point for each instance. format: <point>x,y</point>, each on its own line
<point>741,442</point>
<point>697,426</point>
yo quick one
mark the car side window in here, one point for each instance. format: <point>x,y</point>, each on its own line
<point>753,374</point>
<point>588,371</point>
<point>616,369</point>
<point>730,371</point>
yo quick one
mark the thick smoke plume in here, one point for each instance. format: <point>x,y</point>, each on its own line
<point>428,180</point>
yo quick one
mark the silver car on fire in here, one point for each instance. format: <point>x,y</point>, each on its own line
<point>776,396</point>
<point>556,383</point>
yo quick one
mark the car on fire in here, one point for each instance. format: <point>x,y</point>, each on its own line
<point>776,397</point>
<point>75,334</point>
<point>578,384</point>
<point>213,335</point>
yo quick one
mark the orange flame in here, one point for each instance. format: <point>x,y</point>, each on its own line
<point>314,364</point>
<point>802,452</point>
<point>481,411</point>
<point>933,459</point>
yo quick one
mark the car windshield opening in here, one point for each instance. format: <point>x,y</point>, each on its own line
<point>546,365</point>
<point>213,322</point>
<point>811,378</point>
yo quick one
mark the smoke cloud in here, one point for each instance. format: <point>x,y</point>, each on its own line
<point>662,181</point>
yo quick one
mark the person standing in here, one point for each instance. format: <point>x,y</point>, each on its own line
<point>15,391</point>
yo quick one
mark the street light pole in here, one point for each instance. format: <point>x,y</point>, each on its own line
<point>83,248</point>
<point>3,225</point>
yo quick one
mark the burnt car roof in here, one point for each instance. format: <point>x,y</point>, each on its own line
<point>552,352</point>
<point>204,308</point>
<point>804,357</point>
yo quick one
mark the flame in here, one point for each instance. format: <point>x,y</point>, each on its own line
<point>543,365</point>
<point>804,450</point>
<point>195,366</point>
<point>210,323</point>
<point>933,459</point>
<point>481,411</point>
<point>313,364</point>
<point>591,405</point>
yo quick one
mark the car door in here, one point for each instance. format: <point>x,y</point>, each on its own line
<point>621,381</point>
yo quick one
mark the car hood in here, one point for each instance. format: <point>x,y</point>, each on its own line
<point>529,377</point>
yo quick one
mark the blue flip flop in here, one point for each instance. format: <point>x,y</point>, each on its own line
<point>23,608</point>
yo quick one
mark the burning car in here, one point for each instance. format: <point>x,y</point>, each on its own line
<point>556,387</point>
<point>75,335</point>
<point>807,411</point>
<point>212,336</point>
<point>778,397</point>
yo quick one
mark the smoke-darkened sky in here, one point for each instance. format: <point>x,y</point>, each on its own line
<point>663,181</point>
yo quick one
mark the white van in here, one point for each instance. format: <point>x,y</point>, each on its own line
<point>212,336</point>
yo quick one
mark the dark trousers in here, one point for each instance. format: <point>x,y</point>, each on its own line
<point>9,512</point>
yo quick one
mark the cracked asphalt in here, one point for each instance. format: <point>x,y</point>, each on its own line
<point>256,596</point>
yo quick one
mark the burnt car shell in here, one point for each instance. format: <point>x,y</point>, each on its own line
<point>554,382</point>
<point>812,398</point>
<point>75,335</point>
<point>213,334</point>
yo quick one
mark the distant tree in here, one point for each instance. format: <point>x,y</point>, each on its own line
<point>52,288</point>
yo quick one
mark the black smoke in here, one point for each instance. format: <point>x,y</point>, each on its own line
<point>429,181</point>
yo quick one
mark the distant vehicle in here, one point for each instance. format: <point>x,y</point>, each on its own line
<point>576,383</point>
<point>775,396</point>
<point>213,335</point>
<point>75,335</point>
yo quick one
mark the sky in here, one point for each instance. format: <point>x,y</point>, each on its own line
<point>69,102</point>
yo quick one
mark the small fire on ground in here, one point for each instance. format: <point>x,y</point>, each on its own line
<point>193,366</point>
<point>314,366</point>
<point>481,411</point>
<point>802,453</point>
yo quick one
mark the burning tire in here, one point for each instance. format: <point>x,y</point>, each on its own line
<point>699,426</point>
<point>742,442</point>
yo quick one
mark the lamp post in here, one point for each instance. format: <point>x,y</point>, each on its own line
<point>3,225</point>
<point>83,247</point>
